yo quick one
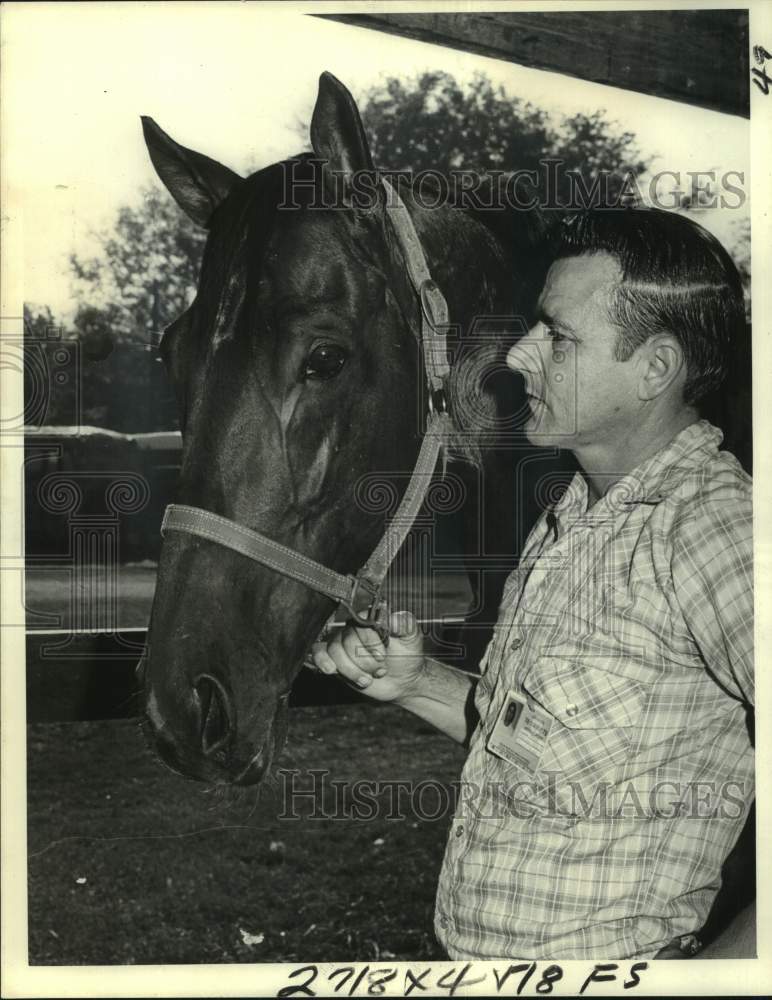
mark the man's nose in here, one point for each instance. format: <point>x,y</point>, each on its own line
<point>525,355</point>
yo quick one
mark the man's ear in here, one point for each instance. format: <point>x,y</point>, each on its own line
<point>197,183</point>
<point>663,364</point>
<point>337,133</point>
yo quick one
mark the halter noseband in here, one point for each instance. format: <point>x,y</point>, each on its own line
<point>359,593</point>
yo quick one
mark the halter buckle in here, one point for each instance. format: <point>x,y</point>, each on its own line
<point>432,302</point>
<point>438,402</point>
<point>375,614</point>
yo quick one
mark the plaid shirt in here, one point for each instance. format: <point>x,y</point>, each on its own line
<point>628,630</point>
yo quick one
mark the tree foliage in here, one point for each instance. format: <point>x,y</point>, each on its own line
<point>431,122</point>
<point>144,276</point>
<point>146,273</point>
<point>83,375</point>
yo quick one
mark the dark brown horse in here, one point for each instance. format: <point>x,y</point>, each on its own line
<point>297,374</point>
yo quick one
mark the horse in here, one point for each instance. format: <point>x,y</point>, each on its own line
<point>298,371</point>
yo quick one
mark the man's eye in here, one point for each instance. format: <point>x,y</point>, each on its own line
<point>325,361</point>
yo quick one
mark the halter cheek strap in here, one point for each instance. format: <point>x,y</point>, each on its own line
<point>359,593</point>
<point>434,308</point>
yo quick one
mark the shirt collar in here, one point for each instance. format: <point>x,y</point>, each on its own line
<point>655,478</point>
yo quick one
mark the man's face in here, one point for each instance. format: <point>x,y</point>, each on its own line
<point>578,393</point>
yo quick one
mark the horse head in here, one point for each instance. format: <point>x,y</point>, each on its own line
<point>297,373</point>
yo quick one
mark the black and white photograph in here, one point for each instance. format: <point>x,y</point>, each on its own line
<point>385,498</point>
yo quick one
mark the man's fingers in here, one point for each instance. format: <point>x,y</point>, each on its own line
<point>334,660</point>
<point>347,665</point>
<point>358,654</point>
<point>372,649</point>
<point>321,660</point>
<point>364,646</point>
<point>403,625</point>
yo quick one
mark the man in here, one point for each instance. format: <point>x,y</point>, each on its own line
<point>597,824</point>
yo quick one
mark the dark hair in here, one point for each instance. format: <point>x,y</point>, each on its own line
<point>676,278</point>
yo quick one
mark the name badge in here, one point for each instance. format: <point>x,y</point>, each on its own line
<point>520,732</point>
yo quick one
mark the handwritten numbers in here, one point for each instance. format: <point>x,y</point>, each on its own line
<point>524,979</point>
<point>346,972</point>
<point>760,76</point>
<point>552,974</point>
<point>451,981</point>
<point>302,988</point>
<point>378,979</point>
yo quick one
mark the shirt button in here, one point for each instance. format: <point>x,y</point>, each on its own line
<point>571,710</point>
<point>517,642</point>
<point>443,922</point>
<point>459,831</point>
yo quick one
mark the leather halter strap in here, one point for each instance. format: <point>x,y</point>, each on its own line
<point>349,590</point>
<point>434,308</point>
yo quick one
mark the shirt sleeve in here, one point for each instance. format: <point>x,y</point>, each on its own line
<point>713,580</point>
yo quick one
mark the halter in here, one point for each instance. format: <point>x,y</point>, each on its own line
<point>359,593</point>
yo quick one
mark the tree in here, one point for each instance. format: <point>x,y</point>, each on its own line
<point>740,249</point>
<point>85,375</point>
<point>50,389</point>
<point>144,277</point>
<point>431,122</point>
<point>147,272</point>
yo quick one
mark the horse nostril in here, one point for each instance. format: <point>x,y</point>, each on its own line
<point>215,720</point>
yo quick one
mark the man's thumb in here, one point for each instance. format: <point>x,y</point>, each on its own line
<point>402,625</point>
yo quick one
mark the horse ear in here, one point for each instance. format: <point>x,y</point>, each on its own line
<point>197,183</point>
<point>337,134</point>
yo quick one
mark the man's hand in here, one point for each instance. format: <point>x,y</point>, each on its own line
<point>401,673</point>
<point>386,673</point>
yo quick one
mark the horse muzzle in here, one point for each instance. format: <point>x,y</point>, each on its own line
<point>201,740</point>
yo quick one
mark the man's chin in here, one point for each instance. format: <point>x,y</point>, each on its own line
<point>542,434</point>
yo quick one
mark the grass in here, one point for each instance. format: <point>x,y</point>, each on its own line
<point>130,864</point>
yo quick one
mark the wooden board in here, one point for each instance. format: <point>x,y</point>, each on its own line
<point>696,56</point>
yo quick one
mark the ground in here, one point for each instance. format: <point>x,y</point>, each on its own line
<point>131,864</point>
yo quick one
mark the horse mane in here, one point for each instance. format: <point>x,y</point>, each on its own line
<point>490,263</point>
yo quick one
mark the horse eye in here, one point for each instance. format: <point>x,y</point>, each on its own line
<point>325,361</point>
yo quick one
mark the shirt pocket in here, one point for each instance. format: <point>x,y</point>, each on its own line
<point>594,714</point>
